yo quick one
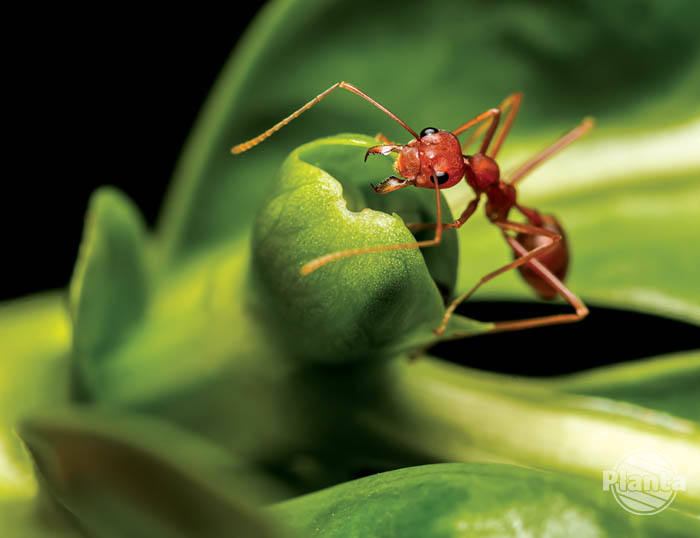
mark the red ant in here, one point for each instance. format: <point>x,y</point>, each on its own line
<point>434,160</point>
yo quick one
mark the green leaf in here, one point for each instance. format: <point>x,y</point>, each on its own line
<point>456,414</point>
<point>617,62</point>
<point>132,476</point>
<point>452,500</point>
<point>34,351</point>
<point>626,195</point>
<point>37,518</point>
<point>668,383</point>
<point>109,289</point>
<point>360,306</point>
<point>34,373</point>
<point>631,242</point>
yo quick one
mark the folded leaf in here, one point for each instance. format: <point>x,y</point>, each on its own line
<point>668,383</point>
<point>109,287</point>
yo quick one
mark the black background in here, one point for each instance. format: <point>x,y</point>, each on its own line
<point>96,99</point>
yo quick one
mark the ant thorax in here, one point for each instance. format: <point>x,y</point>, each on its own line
<point>485,172</point>
<point>436,154</point>
<point>484,176</point>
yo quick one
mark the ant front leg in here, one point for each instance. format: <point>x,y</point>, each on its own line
<point>525,257</point>
<point>468,212</point>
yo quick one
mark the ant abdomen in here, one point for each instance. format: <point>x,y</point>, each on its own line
<point>555,259</point>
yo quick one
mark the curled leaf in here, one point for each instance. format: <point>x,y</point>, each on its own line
<point>359,306</point>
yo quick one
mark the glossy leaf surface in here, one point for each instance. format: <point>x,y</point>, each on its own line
<point>453,500</point>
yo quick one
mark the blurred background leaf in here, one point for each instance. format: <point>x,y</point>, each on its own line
<point>632,182</point>
<point>134,476</point>
<point>109,289</point>
<point>34,373</point>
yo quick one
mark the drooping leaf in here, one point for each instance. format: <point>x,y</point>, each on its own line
<point>457,414</point>
<point>668,383</point>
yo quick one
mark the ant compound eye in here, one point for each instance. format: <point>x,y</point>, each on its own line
<point>441,177</point>
<point>428,131</point>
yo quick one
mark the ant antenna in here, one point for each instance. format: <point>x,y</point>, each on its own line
<point>244,146</point>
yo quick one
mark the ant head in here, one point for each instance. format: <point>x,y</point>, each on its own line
<point>435,153</point>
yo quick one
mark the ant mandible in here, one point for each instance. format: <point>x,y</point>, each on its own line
<point>434,159</point>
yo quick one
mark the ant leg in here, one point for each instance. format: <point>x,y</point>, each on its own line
<point>244,146</point>
<point>510,104</point>
<point>513,102</point>
<point>468,212</point>
<point>573,300</point>
<point>525,168</point>
<point>493,114</point>
<point>323,260</point>
<point>525,257</point>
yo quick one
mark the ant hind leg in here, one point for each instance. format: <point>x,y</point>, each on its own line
<point>581,311</point>
<point>525,256</point>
